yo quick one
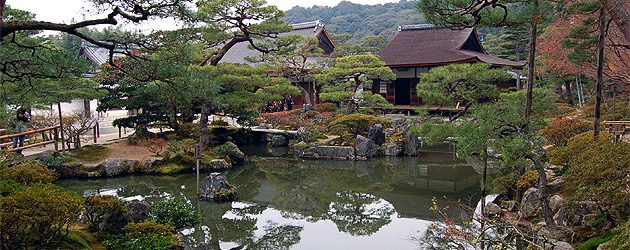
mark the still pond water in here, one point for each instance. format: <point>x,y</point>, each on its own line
<point>304,204</point>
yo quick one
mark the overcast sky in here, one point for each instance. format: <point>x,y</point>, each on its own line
<point>65,10</point>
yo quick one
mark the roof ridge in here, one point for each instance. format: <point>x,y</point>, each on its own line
<point>424,26</point>
<point>307,25</point>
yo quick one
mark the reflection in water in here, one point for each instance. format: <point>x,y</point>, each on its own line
<point>288,203</point>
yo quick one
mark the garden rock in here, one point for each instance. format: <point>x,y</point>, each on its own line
<point>236,155</point>
<point>492,209</point>
<point>508,205</point>
<point>46,154</point>
<point>561,245</point>
<point>218,165</point>
<point>376,134</point>
<point>114,167</point>
<point>138,210</point>
<point>365,147</point>
<point>572,215</point>
<point>335,152</point>
<point>216,188</point>
<point>279,141</point>
<point>556,185</point>
<point>391,149</point>
<point>151,163</point>
<point>555,202</point>
<point>411,145</point>
<point>530,204</point>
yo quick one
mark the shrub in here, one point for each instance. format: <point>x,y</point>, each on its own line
<point>219,123</point>
<point>97,206</point>
<point>598,171</point>
<point>179,147</point>
<point>55,162</point>
<point>327,107</point>
<point>559,131</point>
<point>190,130</point>
<point>8,187</point>
<point>135,230</point>
<point>356,124</point>
<point>505,184</point>
<point>620,239</point>
<point>28,173</point>
<point>37,216</point>
<point>527,180</point>
<point>151,241</point>
<point>175,212</point>
<point>224,149</point>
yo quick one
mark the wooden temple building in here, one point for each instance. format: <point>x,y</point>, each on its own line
<point>239,53</point>
<point>415,49</point>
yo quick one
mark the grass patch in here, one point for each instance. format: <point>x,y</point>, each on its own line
<point>594,242</point>
<point>90,153</point>
<point>172,168</point>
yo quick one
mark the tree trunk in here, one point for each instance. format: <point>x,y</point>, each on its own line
<point>568,92</point>
<point>542,186</point>
<point>203,125</point>
<point>530,66</point>
<point>600,70</point>
<point>305,93</point>
<point>172,117</point>
<point>620,12</point>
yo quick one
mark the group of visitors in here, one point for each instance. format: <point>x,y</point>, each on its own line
<point>285,104</point>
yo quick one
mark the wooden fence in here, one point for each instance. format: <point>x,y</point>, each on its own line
<point>54,131</point>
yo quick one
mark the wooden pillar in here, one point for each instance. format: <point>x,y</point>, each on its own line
<point>63,141</point>
<point>56,140</point>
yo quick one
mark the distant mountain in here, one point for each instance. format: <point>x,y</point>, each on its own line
<point>359,20</point>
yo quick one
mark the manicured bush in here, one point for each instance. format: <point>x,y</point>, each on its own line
<point>97,206</point>
<point>327,107</point>
<point>146,228</point>
<point>151,241</point>
<point>8,187</point>
<point>598,171</point>
<point>356,124</point>
<point>28,173</point>
<point>559,131</point>
<point>219,123</point>
<point>175,212</point>
<point>37,216</point>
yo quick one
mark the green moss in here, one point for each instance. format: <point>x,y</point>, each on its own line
<point>90,153</point>
<point>594,242</point>
<point>172,168</point>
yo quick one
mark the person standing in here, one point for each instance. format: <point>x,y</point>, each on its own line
<point>20,125</point>
<point>290,103</point>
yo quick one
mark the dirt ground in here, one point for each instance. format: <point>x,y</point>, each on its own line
<point>125,151</point>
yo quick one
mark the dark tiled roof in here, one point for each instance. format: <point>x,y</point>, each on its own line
<point>238,53</point>
<point>98,55</point>
<point>423,45</point>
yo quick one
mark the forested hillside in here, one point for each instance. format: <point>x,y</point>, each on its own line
<point>359,20</point>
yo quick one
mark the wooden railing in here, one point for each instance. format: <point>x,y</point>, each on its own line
<point>617,128</point>
<point>45,140</point>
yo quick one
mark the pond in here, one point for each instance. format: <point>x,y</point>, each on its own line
<point>307,204</point>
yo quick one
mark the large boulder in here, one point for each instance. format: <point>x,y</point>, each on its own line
<point>216,188</point>
<point>151,163</point>
<point>376,134</point>
<point>217,165</point>
<point>391,149</point>
<point>236,155</point>
<point>530,205</point>
<point>117,166</point>
<point>411,145</point>
<point>138,210</point>
<point>573,214</point>
<point>491,209</point>
<point>555,202</point>
<point>279,141</point>
<point>365,147</point>
<point>555,185</point>
<point>335,152</point>
<point>562,245</point>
